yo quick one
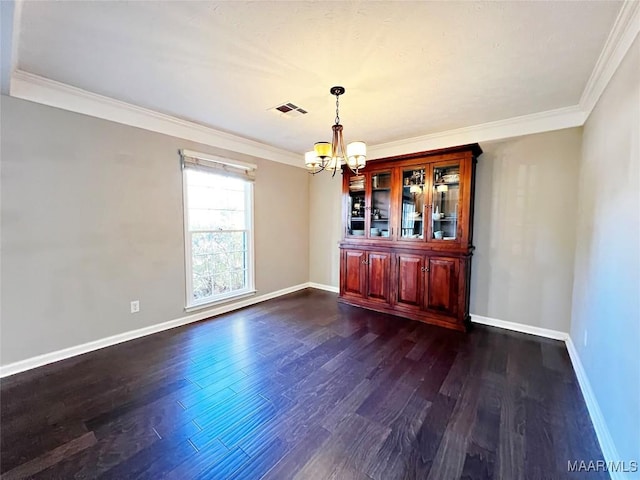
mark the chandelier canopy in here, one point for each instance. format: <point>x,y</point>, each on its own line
<point>331,156</point>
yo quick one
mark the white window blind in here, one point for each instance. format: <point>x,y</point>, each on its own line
<point>219,165</point>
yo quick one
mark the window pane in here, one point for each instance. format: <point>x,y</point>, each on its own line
<point>219,261</point>
<point>218,199</point>
<point>230,241</point>
<point>218,222</point>
<point>221,284</point>
<point>201,265</point>
<point>202,287</point>
<point>202,243</point>
<point>217,242</point>
<point>237,279</point>
<point>206,219</point>
<point>236,261</point>
<point>204,179</point>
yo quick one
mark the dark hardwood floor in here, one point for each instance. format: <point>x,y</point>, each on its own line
<point>301,387</point>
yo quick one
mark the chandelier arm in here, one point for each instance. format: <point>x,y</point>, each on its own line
<point>344,155</point>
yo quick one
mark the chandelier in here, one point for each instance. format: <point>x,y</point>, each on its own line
<point>331,156</point>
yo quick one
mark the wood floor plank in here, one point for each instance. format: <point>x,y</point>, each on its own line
<point>226,466</point>
<point>196,465</point>
<point>298,456</point>
<point>421,458</point>
<point>36,440</point>
<point>311,389</point>
<point>392,459</point>
<point>263,461</point>
<point>351,448</point>
<point>156,460</point>
<point>52,457</point>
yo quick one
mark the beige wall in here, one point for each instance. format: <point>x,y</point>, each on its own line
<point>325,228</point>
<point>524,229</point>
<point>92,219</point>
<point>606,294</point>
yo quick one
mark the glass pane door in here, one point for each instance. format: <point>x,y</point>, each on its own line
<point>380,204</point>
<point>413,196</point>
<point>445,194</point>
<point>356,207</point>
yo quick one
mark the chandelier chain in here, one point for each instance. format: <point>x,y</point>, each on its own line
<point>337,109</point>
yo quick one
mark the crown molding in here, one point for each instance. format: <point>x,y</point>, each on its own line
<point>625,30</point>
<point>558,119</point>
<point>35,88</point>
<point>42,90</point>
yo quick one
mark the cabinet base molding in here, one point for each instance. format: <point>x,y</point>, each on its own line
<point>424,317</point>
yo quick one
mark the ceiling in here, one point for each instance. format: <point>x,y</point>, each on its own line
<point>409,68</point>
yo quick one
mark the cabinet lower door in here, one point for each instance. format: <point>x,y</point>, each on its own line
<point>441,293</point>
<point>409,280</point>
<point>353,274</point>
<point>378,276</point>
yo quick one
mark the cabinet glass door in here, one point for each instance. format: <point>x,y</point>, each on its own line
<point>380,204</point>
<point>445,195</point>
<point>356,208</point>
<point>413,200</point>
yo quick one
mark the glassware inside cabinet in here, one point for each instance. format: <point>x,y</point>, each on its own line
<point>356,211</point>
<point>380,204</point>
<point>413,196</point>
<point>446,195</point>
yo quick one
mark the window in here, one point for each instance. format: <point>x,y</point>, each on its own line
<point>218,210</point>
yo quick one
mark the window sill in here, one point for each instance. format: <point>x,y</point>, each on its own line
<point>220,300</point>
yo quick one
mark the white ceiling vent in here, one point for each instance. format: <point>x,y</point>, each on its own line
<point>288,110</point>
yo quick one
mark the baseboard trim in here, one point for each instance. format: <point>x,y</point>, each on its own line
<point>327,288</point>
<point>609,450</point>
<point>47,358</point>
<point>520,327</point>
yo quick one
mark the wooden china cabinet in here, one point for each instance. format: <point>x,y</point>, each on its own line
<point>406,247</point>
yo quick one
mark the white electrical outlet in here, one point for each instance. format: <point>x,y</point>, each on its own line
<point>135,306</point>
<point>585,337</point>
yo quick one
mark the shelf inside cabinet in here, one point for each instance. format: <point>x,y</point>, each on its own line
<point>445,183</point>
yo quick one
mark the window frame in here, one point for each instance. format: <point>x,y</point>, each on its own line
<point>190,303</point>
